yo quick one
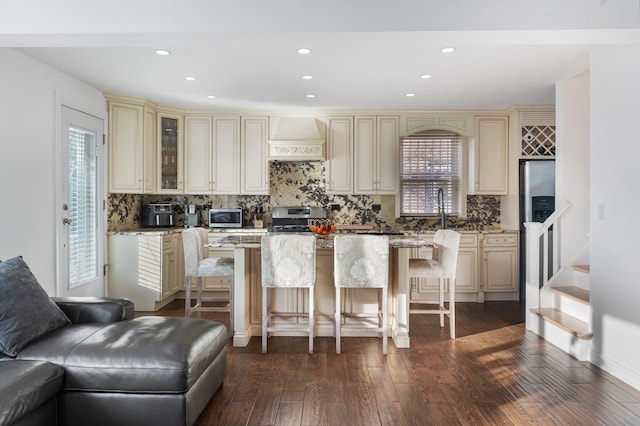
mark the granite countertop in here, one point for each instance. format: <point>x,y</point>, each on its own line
<point>166,231</point>
<point>146,231</point>
<point>263,231</point>
<point>322,242</point>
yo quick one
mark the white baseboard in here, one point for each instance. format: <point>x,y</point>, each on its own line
<point>632,378</point>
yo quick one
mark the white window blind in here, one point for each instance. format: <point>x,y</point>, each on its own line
<point>429,161</point>
<point>83,239</point>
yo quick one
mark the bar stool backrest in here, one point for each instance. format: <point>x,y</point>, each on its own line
<point>361,261</point>
<point>193,249</point>
<point>446,251</point>
<point>288,261</point>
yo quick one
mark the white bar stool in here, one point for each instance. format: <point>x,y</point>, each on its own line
<point>361,261</point>
<point>198,265</point>
<point>288,261</point>
<point>442,266</point>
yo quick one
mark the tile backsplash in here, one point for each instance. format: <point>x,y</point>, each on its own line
<point>303,183</point>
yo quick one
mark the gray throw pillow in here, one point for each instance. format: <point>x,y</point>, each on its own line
<point>26,311</point>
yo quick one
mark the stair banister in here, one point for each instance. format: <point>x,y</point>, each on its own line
<point>535,282</point>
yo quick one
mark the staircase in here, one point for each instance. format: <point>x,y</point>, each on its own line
<point>558,307</point>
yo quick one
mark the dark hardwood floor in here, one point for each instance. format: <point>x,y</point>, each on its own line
<point>494,373</point>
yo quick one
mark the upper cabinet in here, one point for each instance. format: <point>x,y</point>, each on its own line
<point>131,146</point>
<point>254,163</point>
<point>198,155</point>
<point>489,153</point>
<point>226,155</point>
<point>339,163</point>
<point>150,157</point>
<point>125,147</point>
<point>170,175</point>
<point>376,155</point>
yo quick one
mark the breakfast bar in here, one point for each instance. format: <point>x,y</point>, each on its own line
<point>247,283</point>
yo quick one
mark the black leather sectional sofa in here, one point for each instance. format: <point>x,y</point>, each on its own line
<point>105,367</point>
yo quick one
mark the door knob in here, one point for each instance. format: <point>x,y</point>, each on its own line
<point>66,221</point>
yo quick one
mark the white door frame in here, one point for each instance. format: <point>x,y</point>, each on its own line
<point>60,228</point>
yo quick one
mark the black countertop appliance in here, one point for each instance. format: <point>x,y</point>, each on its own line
<point>158,216</point>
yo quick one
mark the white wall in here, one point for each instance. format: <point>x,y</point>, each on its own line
<point>27,166</point>
<point>572,167</point>
<point>615,175</point>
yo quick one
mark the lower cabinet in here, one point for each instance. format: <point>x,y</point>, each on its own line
<point>146,268</point>
<point>173,264</point>
<point>500,266</point>
<point>487,268</point>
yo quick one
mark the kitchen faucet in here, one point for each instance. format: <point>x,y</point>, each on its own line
<point>441,207</point>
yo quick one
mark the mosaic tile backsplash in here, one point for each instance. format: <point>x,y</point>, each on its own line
<point>303,183</point>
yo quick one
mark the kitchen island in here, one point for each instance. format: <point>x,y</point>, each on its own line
<point>247,288</point>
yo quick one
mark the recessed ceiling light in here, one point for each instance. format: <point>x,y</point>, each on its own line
<point>410,95</point>
<point>190,78</point>
<point>310,96</point>
<point>162,52</point>
<point>307,77</point>
<point>447,50</point>
<point>211,96</point>
<point>426,76</point>
<point>304,51</point>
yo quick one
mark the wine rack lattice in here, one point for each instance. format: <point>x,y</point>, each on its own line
<point>538,141</point>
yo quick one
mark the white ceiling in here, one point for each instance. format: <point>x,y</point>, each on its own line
<point>365,54</point>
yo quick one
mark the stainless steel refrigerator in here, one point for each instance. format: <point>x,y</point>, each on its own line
<point>537,202</point>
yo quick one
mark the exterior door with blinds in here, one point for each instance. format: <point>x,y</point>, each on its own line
<point>82,233</point>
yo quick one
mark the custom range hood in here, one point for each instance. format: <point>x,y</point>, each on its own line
<point>296,139</point>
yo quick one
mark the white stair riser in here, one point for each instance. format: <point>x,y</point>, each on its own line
<point>578,348</point>
<point>572,307</point>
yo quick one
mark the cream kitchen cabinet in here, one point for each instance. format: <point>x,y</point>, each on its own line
<point>150,163</point>
<point>132,145</point>
<point>173,275</point>
<point>466,271</point>
<point>170,152</point>
<point>226,155</point>
<point>212,155</point>
<point>198,155</point>
<point>376,152</point>
<point>490,156</point>
<point>254,170</point>
<point>339,155</point>
<point>147,268</point>
<point>500,266</point>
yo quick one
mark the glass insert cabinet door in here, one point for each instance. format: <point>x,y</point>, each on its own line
<point>170,153</point>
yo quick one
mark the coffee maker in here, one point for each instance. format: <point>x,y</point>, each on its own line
<point>191,216</point>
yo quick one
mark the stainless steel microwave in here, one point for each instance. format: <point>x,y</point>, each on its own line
<point>225,218</point>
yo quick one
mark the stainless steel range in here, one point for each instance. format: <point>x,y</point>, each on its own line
<point>294,219</point>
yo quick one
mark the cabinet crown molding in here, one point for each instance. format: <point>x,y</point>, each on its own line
<point>458,124</point>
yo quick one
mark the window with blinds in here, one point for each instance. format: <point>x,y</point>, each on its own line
<point>83,205</point>
<point>430,160</point>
